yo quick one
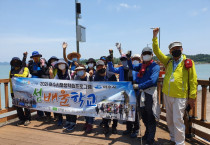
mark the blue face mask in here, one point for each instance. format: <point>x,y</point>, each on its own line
<point>74,59</point>
<point>80,73</point>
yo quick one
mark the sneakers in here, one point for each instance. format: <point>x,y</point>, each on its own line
<point>26,123</point>
<point>169,143</point>
<point>20,122</point>
<point>71,127</point>
<point>134,135</point>
<point>126,132</point>
<point>66,125</point>
<point>89,128</point>
<point>114,130</point>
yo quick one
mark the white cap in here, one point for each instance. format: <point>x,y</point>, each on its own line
<point>136,56</point>
<point>174,44</point>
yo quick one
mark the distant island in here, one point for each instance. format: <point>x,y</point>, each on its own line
<point>4,63</point>
<point>198,59</point>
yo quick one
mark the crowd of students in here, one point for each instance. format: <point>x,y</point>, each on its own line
<point>141,70</point>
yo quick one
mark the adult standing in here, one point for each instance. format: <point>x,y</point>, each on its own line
<point>179,87</point>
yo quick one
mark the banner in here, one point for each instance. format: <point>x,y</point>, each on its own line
<point>113,100</point>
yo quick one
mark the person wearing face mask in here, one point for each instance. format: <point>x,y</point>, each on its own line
<point>38,69</point>
<point>62,74</point>
<point>146,83</point>
<point>53,72</point>
<point>101,75</point>
<point>179,87</point>
<point>91,63</point>
<point>132,128</point>
<point>72,60</point>
<point>18,69</point>
<point>82,75</point>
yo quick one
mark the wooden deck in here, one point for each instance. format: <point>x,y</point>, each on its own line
<point>41,133</point>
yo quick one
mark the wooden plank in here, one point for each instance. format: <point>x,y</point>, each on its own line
<point>4,80</point>
<point>6,95</point>
<point>7,110</point>
<point>203,104</point>
<point>201,123</point>
<point>0,96</point>
<point>203,82</point>
<point>5,119</point>
<point>201,134</point>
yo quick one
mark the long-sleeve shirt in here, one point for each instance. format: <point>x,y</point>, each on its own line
<point>150,76</point>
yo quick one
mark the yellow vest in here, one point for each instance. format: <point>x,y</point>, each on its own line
<point>176,83</point>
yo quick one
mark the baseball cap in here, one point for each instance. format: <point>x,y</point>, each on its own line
<point>174,44</point>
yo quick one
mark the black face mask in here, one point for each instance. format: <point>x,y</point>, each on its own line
<point>102,71</point>
<point>176,53</point>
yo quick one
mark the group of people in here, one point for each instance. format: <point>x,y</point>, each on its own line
<point>179,86</point>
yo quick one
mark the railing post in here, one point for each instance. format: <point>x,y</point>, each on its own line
<point>203,104</point>
<point>6,95</point>
<point>0,96</point>
<point>195,115</point>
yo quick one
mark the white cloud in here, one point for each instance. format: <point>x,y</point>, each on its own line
<point>198,12</point>
<point>204,9</point>
<point>126,6</point>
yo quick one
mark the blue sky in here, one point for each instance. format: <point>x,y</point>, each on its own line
<point>42,25</point>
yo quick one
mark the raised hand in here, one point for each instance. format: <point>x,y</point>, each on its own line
<point>118,45</point>
<point>155,32</point>
<point>129,54</point>
<point>91,73</point>
<point>64,45</point>
<point>25,54</point>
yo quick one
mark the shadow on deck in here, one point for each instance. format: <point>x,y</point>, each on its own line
<point>39,132</point>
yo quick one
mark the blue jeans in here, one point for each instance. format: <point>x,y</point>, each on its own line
<point>89,120</point>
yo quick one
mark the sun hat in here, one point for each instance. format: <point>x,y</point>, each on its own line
<point>70,55</point>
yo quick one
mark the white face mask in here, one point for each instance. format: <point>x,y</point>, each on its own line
<point>147,57</point>
<point>135,62</point>
<point>80,73</point>
<point>61,66</point>
<point>74,59</point>
<point>124,63</point>
<point>90,65</point>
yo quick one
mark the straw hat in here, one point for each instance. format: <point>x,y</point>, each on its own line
<point>69,56</point>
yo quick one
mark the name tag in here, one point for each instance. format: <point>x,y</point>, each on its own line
<point>172,79</point>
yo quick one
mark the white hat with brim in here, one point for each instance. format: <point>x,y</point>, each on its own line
<point>136,56</point>
<point>69,56</point>
<point>80,68</point>
<point>174,44</point>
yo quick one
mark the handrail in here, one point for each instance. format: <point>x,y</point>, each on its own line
<point>201,120</point>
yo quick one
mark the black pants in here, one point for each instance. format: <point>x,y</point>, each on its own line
<point>23,116</point>
<point>133,126</point>
<point>71,118</point>
<point>148,119</point>
<point>106,123</point>
<point>41,113</point>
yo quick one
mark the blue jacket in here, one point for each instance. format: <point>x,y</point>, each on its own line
<point>150,76</point>
<point>119,70</point>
